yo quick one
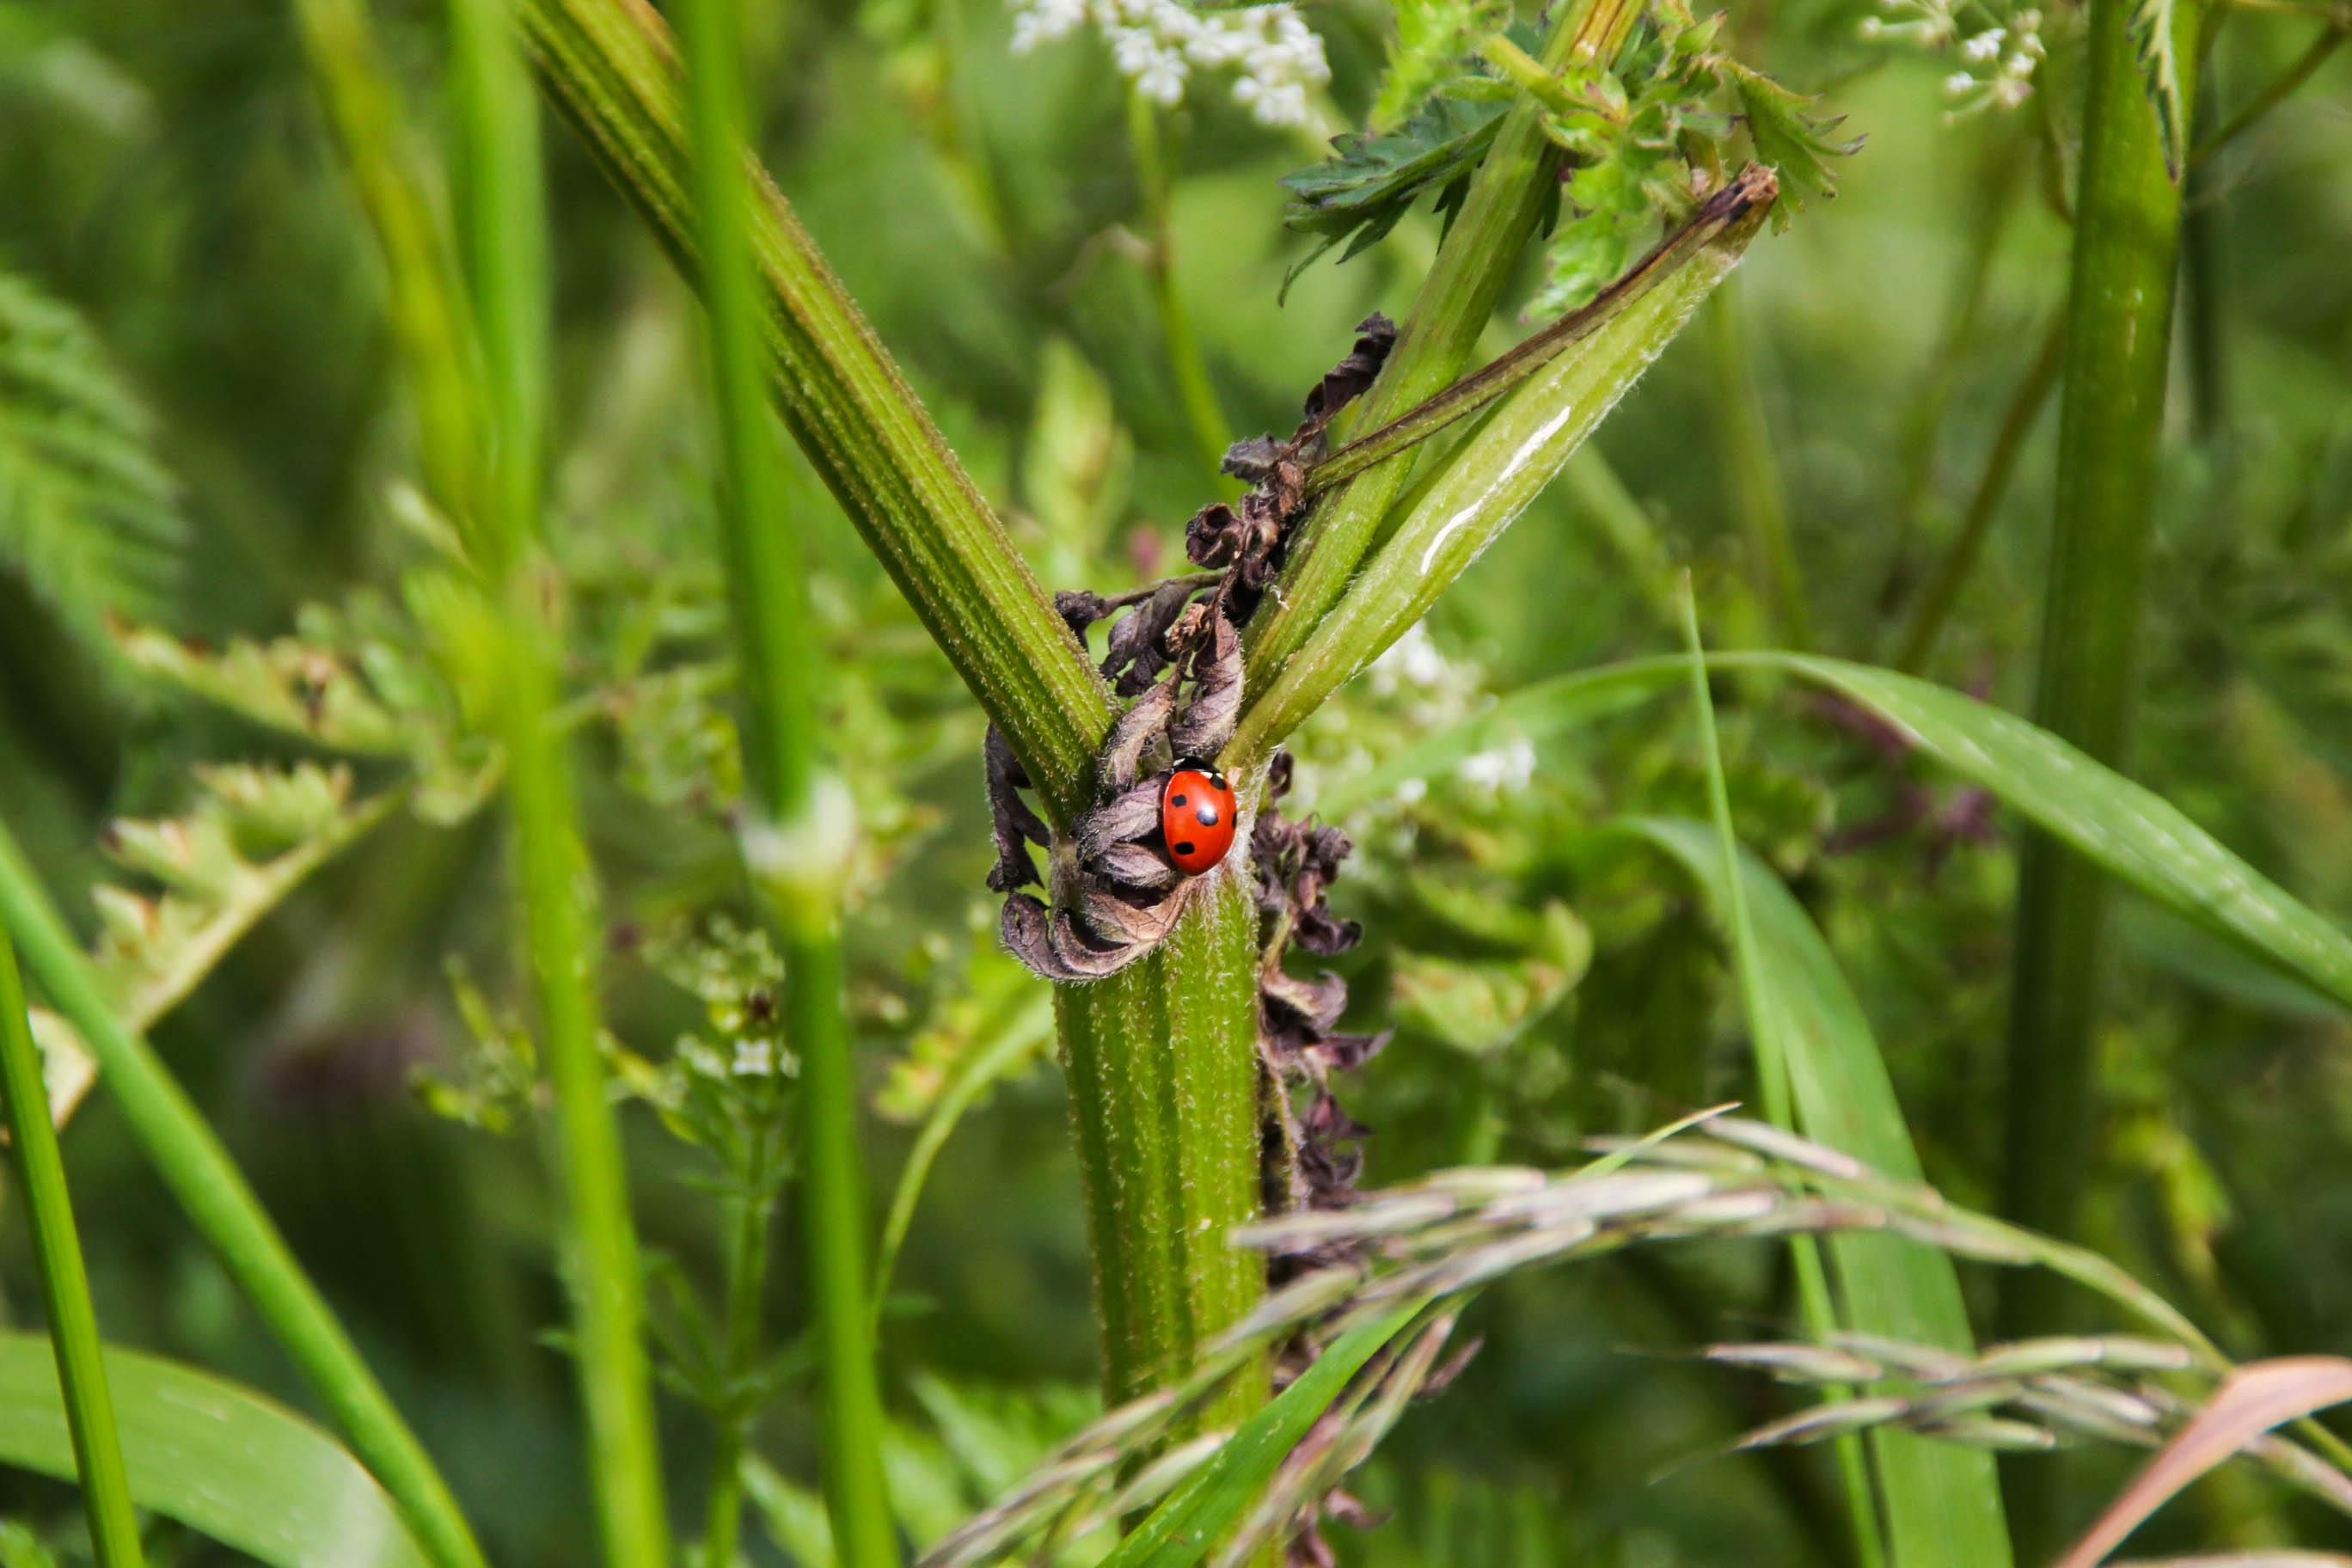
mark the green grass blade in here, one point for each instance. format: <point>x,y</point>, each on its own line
<point>213,1194</point>
<point>1942,1500</point>
<point>1183,1529</point>
<point>799,840</point>
<point>1768,1031</point>
<point>2137,836</point>
<point>64,1288</point>
<point>221,1459</point>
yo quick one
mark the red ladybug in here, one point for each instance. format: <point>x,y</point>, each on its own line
<point>1196,816</point>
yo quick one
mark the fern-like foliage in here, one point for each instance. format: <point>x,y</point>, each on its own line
<point>1369,183</point>
<point>204,879</point>
<point>89,520</point>
<point>1432,35</point>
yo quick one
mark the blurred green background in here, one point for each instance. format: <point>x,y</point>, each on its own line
<point>165,175</point>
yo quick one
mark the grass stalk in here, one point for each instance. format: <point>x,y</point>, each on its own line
<point>1959,561</point>
<point>1772,1082</point>
<point>2281,87</point>
<point>64,1288</point>
<point>503,246</point>
<point>213,1194</point>
<point>610,68</point>
<point>1155,173</point>
<point>798,838</point>
<point>1506,201</point>
<point>2111,415</point>
<point>1759,493</point>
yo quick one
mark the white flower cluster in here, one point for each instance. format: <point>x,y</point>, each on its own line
<point>1158,44</point>
<point>1997,63</point>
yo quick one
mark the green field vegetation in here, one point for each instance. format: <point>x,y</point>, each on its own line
<point>599,940</point>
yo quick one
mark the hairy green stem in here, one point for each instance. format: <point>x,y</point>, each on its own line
<point>2111,417</point>
<point>800,832</point>
<point>1504,463</point>
<point>609,66</point>
<point>503,243</point>
<point>64,1288</point>
<point>1755,490</point>
<point>213,1194</point>
<point>1959,560</point>
<point>1506,200</point>
<point>1163,1073</point>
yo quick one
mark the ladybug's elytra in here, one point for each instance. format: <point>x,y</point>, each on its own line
<point>1196,816</point>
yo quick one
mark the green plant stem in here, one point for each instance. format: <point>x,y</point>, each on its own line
<point>64,1288</point>
<point>1506,200</point>
<point>2118,337</point>
<point>800,832</point>
<point>426,302</point>
<point>754,1213</point>
<point>1489,477</point>
<point>2282,88</point>
<point>1772,1081</point>
<point>504,248</point>
<point>609,66</point>
<point>213,1194</point>
<point>1195,390</point>
<point>1959,562</point>
<point>1162,1065</point>
<point>1755,490</point>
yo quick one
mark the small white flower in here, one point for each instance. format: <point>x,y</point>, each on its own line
<point>1958,82</point>
<point>1158,44</point>
<point>1511,766</point>
<point>1985,47</point>
<point>1408,792</point>
<point>755,1058</point>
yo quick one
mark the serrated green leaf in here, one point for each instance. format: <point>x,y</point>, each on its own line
<point>1368,184</point>
<point>2150,26</point>
<point>217,1458</point>
<point>1796,143</point>
<point>1432,37</point>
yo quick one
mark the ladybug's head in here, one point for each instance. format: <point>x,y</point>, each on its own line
<point>1200,766</point>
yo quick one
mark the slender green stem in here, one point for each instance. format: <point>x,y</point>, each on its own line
<point>2118,338</point>
<point>754,1211</point>
<point>1489,477</point>
<point>608,65</point>
<point>65,1288</point>
<point>504,248</point>
<point>1772,1083</point>
<point>213,1194</point>
<point>1162,1060</point>
<point>427,302</point>
<point>1754,487</point>
<point>1506,200</point>
<point>1154,173</point>
<point>1959,562</point>
<point>801,829</point>
<point>2283,86</point>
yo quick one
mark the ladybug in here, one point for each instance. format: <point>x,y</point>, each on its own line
<point>1196,816</point>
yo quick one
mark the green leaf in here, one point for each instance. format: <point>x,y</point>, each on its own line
<point>2150,26</point>
<point>1369,183</point>
<point>89,519</point>
<point>217,1458</point>
<point>1432,37</point>
<point>1942,1500</point>
<point>1181,1530</point>
<point>2138,836</point>
<point>1795,143</point>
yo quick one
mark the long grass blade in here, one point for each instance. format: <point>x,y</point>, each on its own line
<point>219,1459</point>
<point>800,838</point>
<point>187,1155</point>
<point>1767,1034</point>
<point>64,1288</point>
<point>1943,1502</point>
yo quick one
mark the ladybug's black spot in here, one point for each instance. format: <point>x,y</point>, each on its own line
<point>1184,849</point>
<point>1175,800</point>
<point>1206,817</point>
